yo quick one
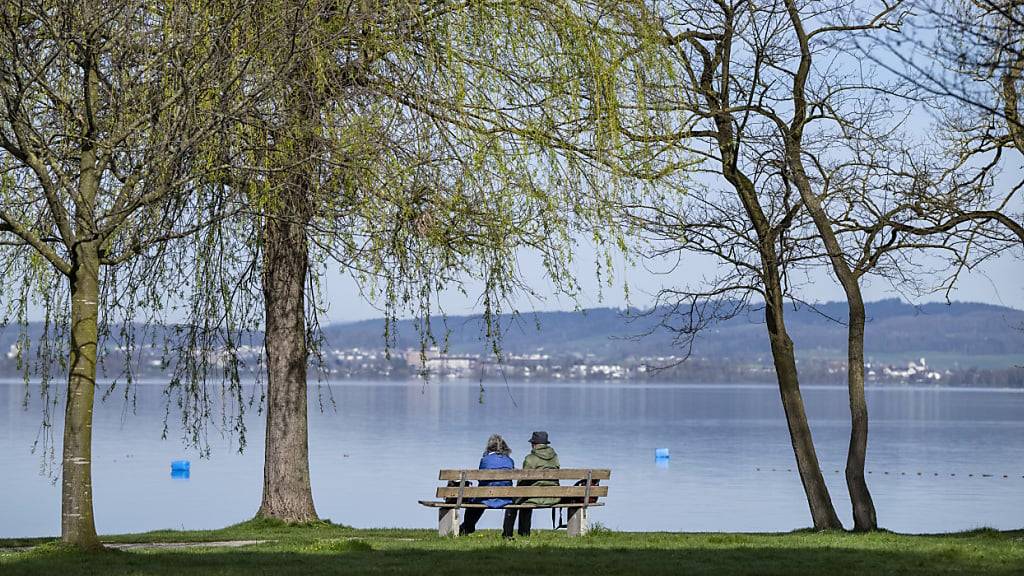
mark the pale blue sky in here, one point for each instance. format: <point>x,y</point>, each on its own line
<point>999,281</point>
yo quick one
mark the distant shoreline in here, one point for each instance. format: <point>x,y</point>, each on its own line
<point>492,383</point>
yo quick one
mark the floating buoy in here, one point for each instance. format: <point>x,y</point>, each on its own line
<point>180,465</point>
<point>661,453</point>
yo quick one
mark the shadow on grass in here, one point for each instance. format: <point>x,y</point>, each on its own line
<point>526,558</point>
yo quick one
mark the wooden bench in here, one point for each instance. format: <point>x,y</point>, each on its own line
<point>576,499</point>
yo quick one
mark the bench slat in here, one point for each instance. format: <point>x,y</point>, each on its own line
<point>436,504</point>
<point>521,491</point>
<point>561,474</point>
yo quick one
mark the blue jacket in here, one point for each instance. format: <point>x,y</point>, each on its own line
<point>495,461</point>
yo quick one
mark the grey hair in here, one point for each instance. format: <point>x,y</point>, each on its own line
<point>497,444</point>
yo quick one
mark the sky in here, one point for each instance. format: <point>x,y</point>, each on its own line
<point>999,281</point>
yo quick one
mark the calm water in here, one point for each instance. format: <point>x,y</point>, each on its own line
<point>379,451</point>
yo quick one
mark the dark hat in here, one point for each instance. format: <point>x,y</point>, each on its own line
<point>539,438</point>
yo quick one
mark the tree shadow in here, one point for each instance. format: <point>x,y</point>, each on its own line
<point>530,559</point>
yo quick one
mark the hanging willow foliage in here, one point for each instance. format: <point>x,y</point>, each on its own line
<point>440,140</point>
<point>106,110</point>
<point>142,144</point>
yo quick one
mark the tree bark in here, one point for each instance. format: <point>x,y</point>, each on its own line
<point>864,516</point>
<point>77,523</point>
<point>287,494</point>
<point>78,526</point>
<point>823,512</point>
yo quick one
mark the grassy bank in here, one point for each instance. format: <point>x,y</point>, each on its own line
<point>332,549</point>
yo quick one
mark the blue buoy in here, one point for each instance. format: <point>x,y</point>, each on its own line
<point>180,465</point>
<point>661,454</point>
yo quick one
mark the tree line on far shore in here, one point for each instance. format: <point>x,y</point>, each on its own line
<point>211,160</point>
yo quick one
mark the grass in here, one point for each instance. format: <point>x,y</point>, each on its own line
<point>325,548</point>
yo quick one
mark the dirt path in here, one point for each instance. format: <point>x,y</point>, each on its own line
<point>171,545</point>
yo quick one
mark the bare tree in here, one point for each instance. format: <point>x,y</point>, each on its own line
<point>784,77</point>
<point>810,103</point>
<point>967,60</point>
<point>713,106</point>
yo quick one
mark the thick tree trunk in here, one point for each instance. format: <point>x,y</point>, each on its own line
<point>823,512</point>
<point>287,494</point>
<point>78,526</point>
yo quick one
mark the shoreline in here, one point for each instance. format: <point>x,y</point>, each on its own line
<point>492,383</point>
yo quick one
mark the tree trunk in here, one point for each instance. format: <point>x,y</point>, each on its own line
<point>823,512</point>
<point>287,494</point>
<point>78,527</point>
<point>860,497</point>
<point>864,517</point>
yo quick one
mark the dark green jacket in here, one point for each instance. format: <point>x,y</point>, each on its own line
<point>544,458</point>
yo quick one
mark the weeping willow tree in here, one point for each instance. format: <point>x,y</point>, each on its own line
<point>420,145</point>
<point>109,110</point>
<point>158,155</point>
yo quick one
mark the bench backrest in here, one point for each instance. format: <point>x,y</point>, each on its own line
<point>536,474</point>
<point>462,489</point>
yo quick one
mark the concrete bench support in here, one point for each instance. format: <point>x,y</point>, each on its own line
<point>448,521</point>
<point>578,524</point>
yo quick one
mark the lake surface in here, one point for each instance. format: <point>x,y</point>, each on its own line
<point>379,449</point>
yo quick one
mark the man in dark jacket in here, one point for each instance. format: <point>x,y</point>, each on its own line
<point>542,457</point>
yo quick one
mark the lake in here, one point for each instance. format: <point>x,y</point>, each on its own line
<point>937,457</point>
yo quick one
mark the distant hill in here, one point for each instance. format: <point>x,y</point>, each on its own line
<point>957,334</point>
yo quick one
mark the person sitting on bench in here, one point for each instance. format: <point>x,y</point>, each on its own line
<point>542,457</point>
<point>496,457</point>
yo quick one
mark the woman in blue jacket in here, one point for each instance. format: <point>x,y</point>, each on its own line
<point>496,457</point>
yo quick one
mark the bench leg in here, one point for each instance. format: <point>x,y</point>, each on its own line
<point>578,525</point>
<point>448,522</point>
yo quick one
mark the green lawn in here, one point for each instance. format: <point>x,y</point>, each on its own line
<point>332,549</point>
